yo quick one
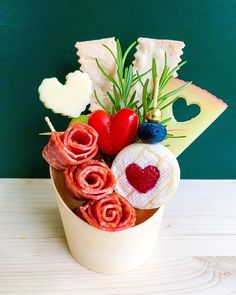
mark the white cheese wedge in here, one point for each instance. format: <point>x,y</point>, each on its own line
<point>145,155</point>
<point>211,107</point>
<point>70,99</point>
<point>88,51</point>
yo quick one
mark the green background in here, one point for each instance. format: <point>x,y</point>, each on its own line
<point>37,41</point>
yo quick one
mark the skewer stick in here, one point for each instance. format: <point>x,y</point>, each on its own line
<point>49,123</point>
<point>45,133</point>
<point>156,92</point>
<point>178,129</point>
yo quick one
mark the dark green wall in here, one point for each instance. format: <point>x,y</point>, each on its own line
<point>37,41</point>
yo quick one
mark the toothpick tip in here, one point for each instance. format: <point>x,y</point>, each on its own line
<point>49,123</point>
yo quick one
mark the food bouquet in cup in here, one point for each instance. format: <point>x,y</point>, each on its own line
<point>115,168</point>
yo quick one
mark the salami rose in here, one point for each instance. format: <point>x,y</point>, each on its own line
<point>112,213</point>
<point>91,180</point>
<point>76,145</point>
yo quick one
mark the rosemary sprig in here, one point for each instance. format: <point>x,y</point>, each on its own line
<point>122,94</point>
<point>173,92</point>
<point>109,77</point>
<point>170,102</point>
<point>173,136</point>
<point>163,122</point>
<point>158,101</point>
<point>154,99</point>
<point>99,101</point>
<point>137,76</point>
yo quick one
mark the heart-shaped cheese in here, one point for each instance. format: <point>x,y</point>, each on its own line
<point>70,99</point>
<point>154,178</point>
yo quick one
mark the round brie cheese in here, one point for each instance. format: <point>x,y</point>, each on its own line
<point>147,175</point>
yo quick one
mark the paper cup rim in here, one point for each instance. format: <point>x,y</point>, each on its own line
<point>90,227</point>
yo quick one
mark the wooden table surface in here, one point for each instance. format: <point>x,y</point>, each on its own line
<point>194,254</point>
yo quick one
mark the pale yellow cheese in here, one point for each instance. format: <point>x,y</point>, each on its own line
<point>69,99</point>
<point>211,108</point>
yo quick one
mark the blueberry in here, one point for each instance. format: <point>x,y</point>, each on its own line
<point>152,132</point>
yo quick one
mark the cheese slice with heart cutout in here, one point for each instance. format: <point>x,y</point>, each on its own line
<point>210,108</point>
<point>147,175</point>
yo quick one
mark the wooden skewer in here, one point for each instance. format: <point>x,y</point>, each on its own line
<point>45,133</point>
<point>178,129</point>
<point>51,127</point>
<point>156,91</point>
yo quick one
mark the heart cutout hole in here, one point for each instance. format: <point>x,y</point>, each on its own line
<point>183,112</point>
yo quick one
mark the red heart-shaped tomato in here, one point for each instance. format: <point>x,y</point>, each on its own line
<point>143,180</point>
<point>115,131</point>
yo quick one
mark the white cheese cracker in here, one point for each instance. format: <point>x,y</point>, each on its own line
<point>147,49</point>
<point>88,51</point>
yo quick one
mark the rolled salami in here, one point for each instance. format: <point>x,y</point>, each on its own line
<point>91,180</point>
<point>112,213</point>
<point>76,145</point>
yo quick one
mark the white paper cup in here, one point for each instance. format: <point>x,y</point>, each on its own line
<point>101,251</point>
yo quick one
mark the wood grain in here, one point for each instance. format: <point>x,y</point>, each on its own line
<point>199,223</point>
